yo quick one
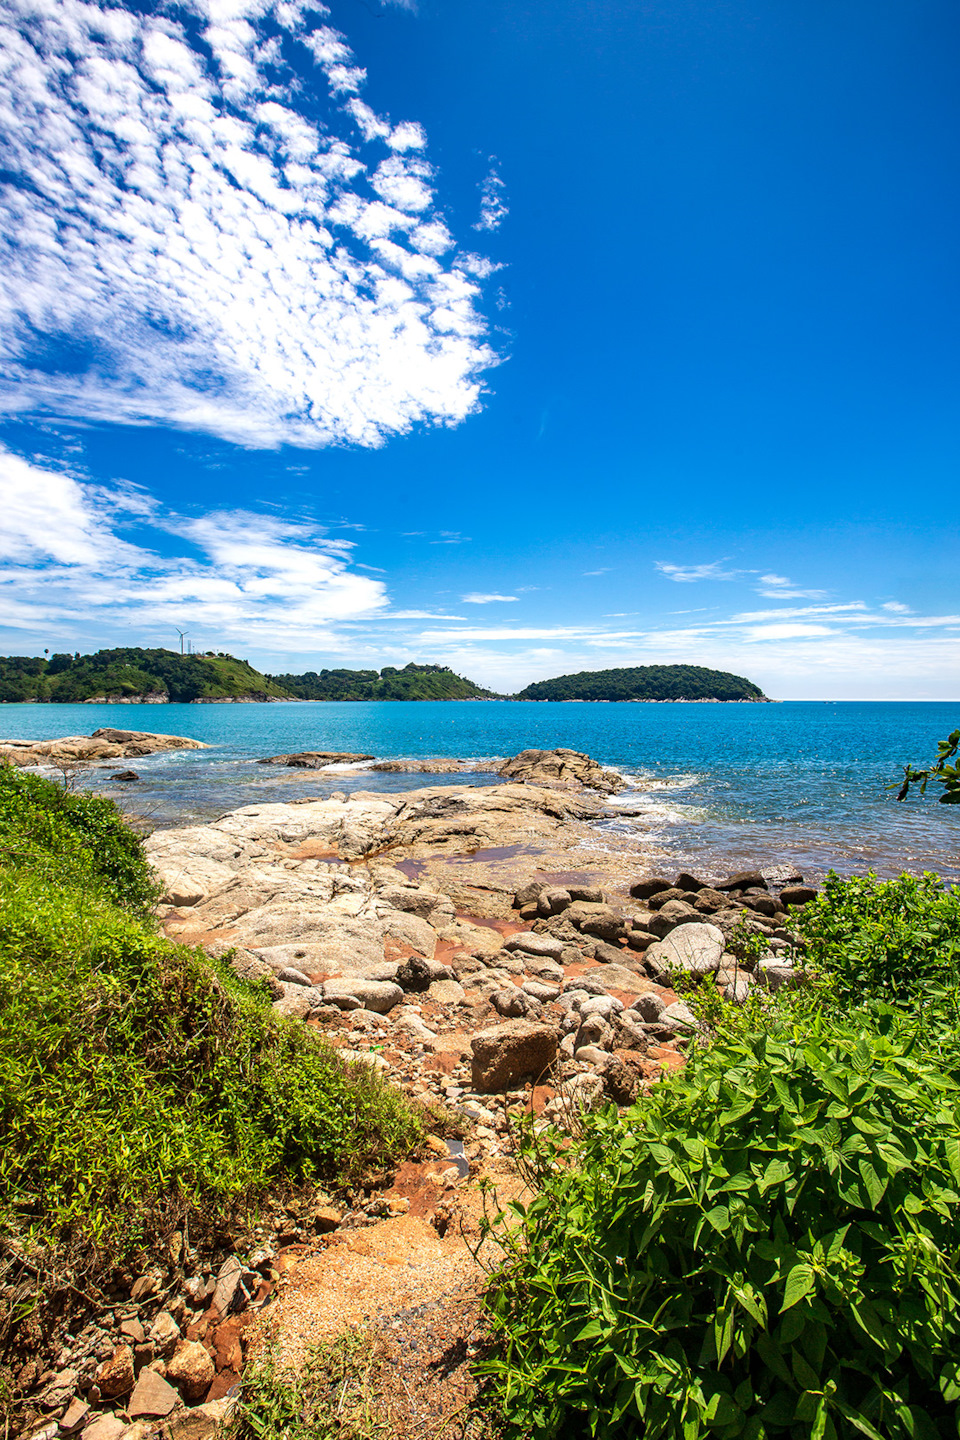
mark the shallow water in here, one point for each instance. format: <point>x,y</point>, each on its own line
<point>716,785</point>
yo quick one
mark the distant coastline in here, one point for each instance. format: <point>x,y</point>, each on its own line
<point>137,676</point>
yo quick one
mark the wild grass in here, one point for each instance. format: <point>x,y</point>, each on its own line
<point>136,1074</point>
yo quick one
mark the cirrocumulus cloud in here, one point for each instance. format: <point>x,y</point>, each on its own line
<point>204,225</point>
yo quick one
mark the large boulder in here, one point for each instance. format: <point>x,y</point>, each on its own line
<point>695,948</point>
<point>569,768</point>
<point>377,995</point>
<point>530,943</point>
<point>650,885</point>
<point>506,1053</point>
<point>616,977</point>
<point>675,912</point>
<point>512,1003</point>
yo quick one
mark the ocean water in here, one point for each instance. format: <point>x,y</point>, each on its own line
<point>712,786</point>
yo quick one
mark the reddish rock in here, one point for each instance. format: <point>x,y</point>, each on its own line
<point>191,1370</point>
<point>506,1053</point>
<point>115,1376</point>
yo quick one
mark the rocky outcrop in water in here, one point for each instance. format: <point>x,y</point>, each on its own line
<point>314,759</point>
<point>568,768</point>
<point>103,744</point>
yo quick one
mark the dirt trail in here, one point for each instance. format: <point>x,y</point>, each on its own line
<point>403,1293</point>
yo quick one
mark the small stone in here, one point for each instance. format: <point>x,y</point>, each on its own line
<point>164,1333</point>
<point>147,1285</point>
<point>229,1294</point>
<point>191,1370</point>
<point>649,1007</point>
<point>679,1016</point>
<point>105,1427</point>
<point>76,1413</point>
<point>516,1004</point>
<point>115,1376</point>
<point>326,1219</point>
<point>602,1005</point>
<point>446,992</point>
<point>591,1055</point>
<point>59,1390</point>
<point>553,900</point>
<point>152,1396</point>
<point>594,1030</point>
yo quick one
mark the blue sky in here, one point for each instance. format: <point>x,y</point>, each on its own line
<point>520,337</point>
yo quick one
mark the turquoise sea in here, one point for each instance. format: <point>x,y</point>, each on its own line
<point>717,786</point>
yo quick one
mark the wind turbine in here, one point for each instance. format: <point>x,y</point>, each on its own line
<point>181,633</point>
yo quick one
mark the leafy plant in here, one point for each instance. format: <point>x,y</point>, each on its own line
<point>72,838</point>
<point>940,772</point>
<point>765,1246</point>
<point>327,1399</point>
<point>886,939</point>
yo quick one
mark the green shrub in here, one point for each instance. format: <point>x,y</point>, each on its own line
<point>765,1245</point>
<point>136,1074</point>
<point>71,838</point>
<point>886,939</point>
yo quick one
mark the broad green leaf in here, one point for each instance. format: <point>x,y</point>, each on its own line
<point>800,1281</point>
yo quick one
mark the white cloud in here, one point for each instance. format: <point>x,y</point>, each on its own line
<point>493,204</point>
<point>476,598</point>
<point>588,573</point>
<point>778,587</point>
<point>896,607</point>
<point>259,581</point>
<point>786,632</point>
<point>687,574</point>
<point>184,242</point>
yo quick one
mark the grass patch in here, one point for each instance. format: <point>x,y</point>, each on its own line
<point>332,1398</point>
<point>137,1075</point>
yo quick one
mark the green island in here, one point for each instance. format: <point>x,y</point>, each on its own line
<point>646,682</point>
<point>131,674</point>
<point>413,682</point>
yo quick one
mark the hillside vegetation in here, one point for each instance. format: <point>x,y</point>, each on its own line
<point>413,682</point>
<point>130,672</point>
<point>645,682</point>
<point>139,1077</point>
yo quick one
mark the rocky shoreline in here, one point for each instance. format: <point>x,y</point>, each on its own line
<point>482,950</point>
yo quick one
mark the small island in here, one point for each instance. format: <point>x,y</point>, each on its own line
<point>650,683</point>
